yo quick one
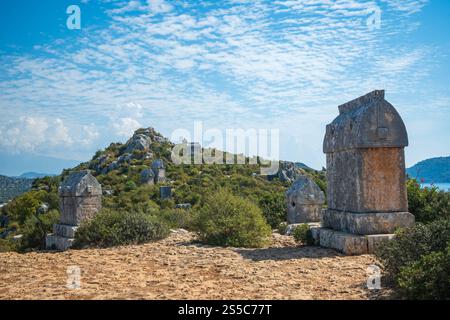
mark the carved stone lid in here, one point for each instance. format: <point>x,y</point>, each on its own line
<point>366,122</point>
<point>80,183</point>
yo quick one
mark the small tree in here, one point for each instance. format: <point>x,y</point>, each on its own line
<point>229,220</point>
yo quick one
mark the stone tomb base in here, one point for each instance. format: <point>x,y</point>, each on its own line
<point>367,223</point>
<point>347,243</point>
<point>62,237</point>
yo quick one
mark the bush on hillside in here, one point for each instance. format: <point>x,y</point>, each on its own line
<point>111,228</point>
<point>36,228</point>
<point>177,218</point>
<point>25,206</point>
<point>273,207</point>
<point>229,220</point>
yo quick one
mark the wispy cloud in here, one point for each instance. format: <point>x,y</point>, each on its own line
<point>248,62</point>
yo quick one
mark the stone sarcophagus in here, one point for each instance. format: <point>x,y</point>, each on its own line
<point>304,201</point>
<point>159,170</point>
<point>80,198</point>
<point>366,177</point>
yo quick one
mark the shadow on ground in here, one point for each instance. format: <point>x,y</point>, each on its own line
<point>286,253</point>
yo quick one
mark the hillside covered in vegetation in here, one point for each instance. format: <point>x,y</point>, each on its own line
<point>228,205</point>
<point>11,187</point>
<point>435,170</point>
<point>118,168</point>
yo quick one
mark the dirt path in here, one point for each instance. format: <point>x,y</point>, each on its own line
<point>178,268</point>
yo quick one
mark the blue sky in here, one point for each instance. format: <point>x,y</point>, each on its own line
<point>284,65</point>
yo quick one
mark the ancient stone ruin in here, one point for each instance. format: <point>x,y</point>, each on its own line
<point>154,175</point>
<point>366,178</point>
<point>80,198</point>
<point>304,201</point>
<point>159,170</point>
<point>165,192</point>
<point>148,177</point>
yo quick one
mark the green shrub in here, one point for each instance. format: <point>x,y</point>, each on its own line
<point>229,220</point>
<point>25,205</point>
<point>177,218</point>
<point>7,245</point>
<point>428,278</point>
<point>111,228</point>
<point>427,204</point>
<point>130,186</point>
<point>300,233</point>
<point>282,228</point>
<point>273,207</point>
<point>36,228</point>
<point>167,204</point>
<point>410,244</point>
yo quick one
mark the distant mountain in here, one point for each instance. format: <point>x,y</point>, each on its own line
<point>435,170</point>
<point>13,165</point>
<point>34,175</point>
<point>12,187</point>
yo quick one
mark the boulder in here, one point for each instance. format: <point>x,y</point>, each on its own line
<point>287,172</point>
<point>185,206</point>
<point>137,142</point>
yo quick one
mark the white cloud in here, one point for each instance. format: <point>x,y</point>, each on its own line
<point>159,6</point>
<point>126,126</point>
<point>41,135</point>
<point>240,63</point>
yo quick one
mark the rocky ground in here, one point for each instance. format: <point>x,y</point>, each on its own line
<point>180,268</point>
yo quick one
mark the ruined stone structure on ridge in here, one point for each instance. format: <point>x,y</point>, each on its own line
<point>165,192</point>
<point>80,198</point>
<point>159,170</point>
<point>366,176</point>
<point>154,175</point>
<point>304,201</point>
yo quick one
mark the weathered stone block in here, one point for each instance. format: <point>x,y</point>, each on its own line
<point>290,228</point>
<point>344,242</point>
<point>55,242</point>
<point>367,223</point>
<point>165,192</point>
<point>367,180</point>
<point>64,230</point>
<point>76,209</point>
<point>315,234</point>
